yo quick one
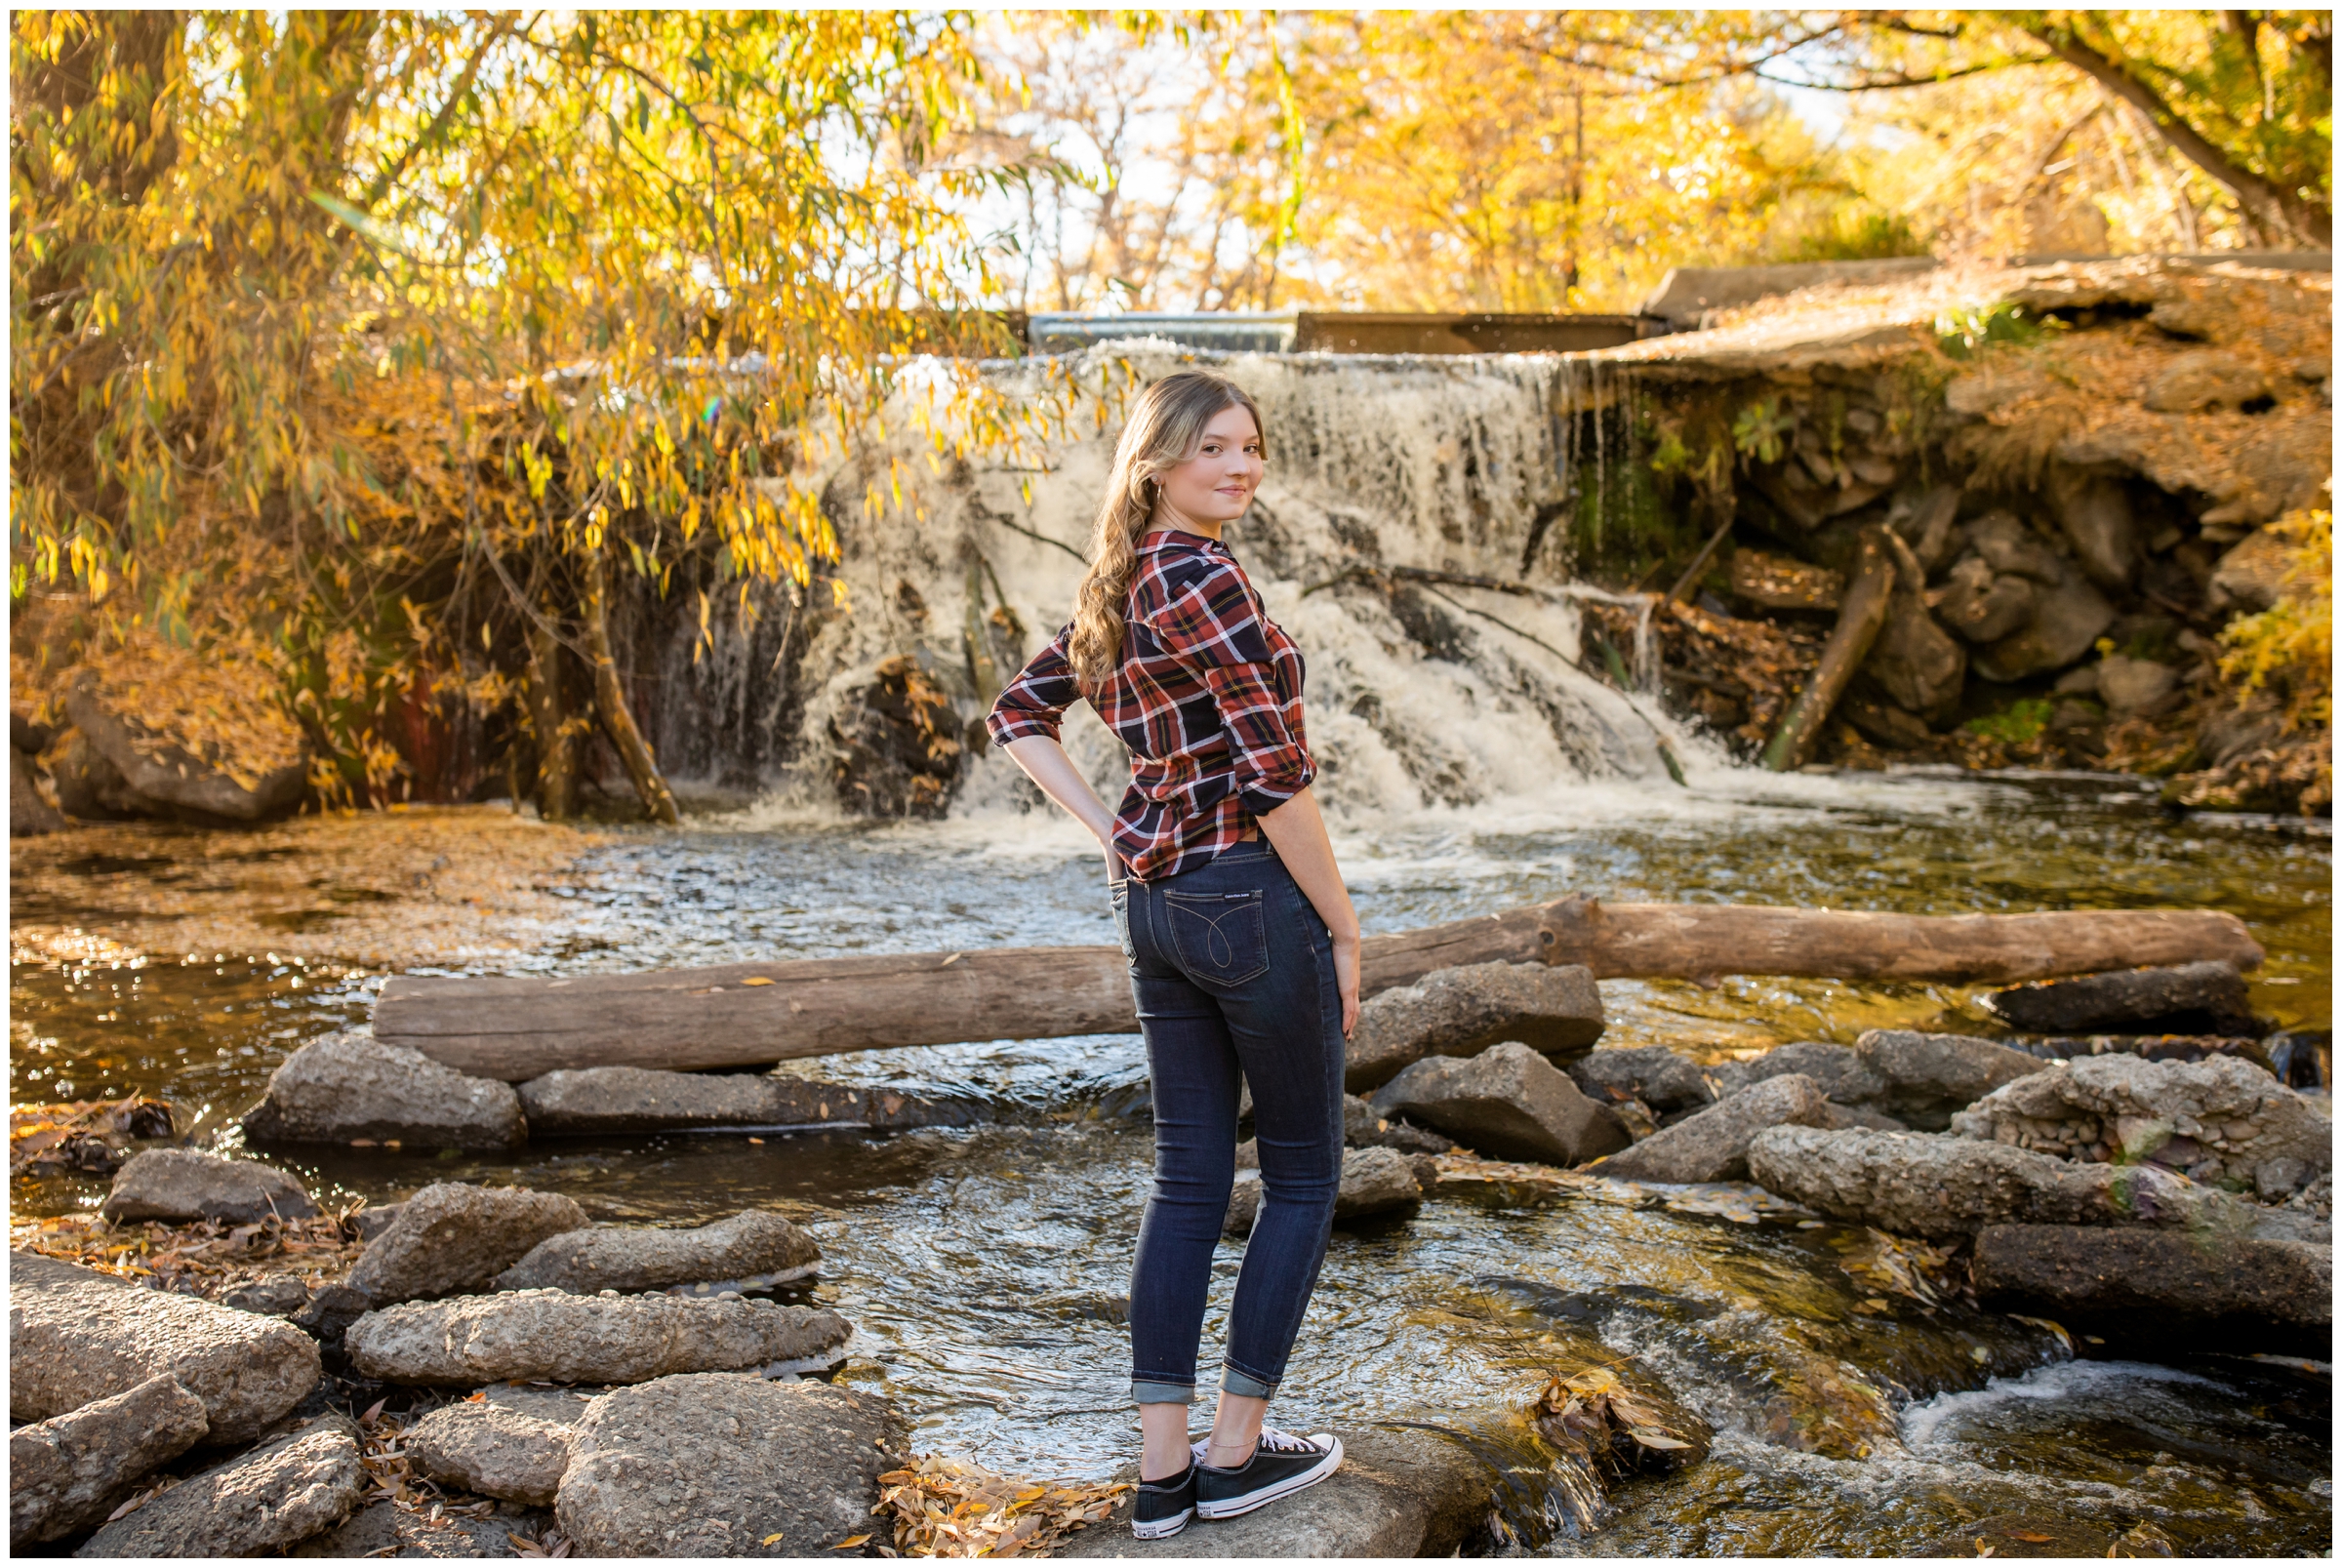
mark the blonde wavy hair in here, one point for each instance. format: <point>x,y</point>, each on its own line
<point>1164,430</point>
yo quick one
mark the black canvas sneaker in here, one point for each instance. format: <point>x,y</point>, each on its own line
<point>1164,1507</point>
<point>1282,1465</point>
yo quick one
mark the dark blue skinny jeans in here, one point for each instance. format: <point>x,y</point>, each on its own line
<point>1233,973</point>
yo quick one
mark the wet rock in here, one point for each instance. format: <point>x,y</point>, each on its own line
<point>1362,1127</point>
<point>721,1466</point>
<point>293,1486</point>
<point>552,1335</point>
<point>67,1472</point>
<point>894,748</point>
<point>182,1183</point>
<point>1374,1181</point>
<point>2220,1120</point>
<point>493,1450</point>
<point>2067,619</point>
<point>1660,1078</point>
<point>2203,998</point>
<point>1397,1495</point>
<point>1460,1012</point>
<point>637,1258</point>
<point>1930,1185</point>
<point>29,813</point>
<point>450,1239</point>
<point>2162,1290</point>
<point>277,1296</point>
<point>350,1086</point>
<point>1929,1076</point>
<point>1982,605</point>
<point>2095,515</point>
<point>167,778</point>
<point>1836,1071</point>
<point>2023,1536</point>
<point>1917,662</point>
<point>1508,1102</point>
<point>2205,378</point>
<point>595,1100</point>
<point>2135,685</point>
<point>76,1335</point>
<point>1714,1146</point>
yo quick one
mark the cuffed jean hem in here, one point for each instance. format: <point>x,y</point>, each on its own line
<point>1244,1383</point>
<point>1145,1393</point>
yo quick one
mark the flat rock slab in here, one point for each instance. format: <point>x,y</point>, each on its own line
<point>1399,1493</point>
<point>1929,1076</point>
<point>450,1239</point>
<point>493,1450</point>
<point>2163,1288</point>
<point>1374,1181</point>
<point>1509,1102</point>
<point>752,1245</point>
<point>2206,998</point>
<point>67,1472</point>
<point>182,1184</point>
<point>723,1466</point>
<point>2220,1119</point>
<point>582,1101</point>
<point>1932,1185</point>
<point>1714,1146</point>
<point>552,1336</point>
<point>1465,1010</point>
<point>76,1335</point>
<point>283,1492</point>
<point>350,1086</point>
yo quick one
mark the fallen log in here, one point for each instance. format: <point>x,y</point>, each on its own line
<point>1861,616</point>
<point>749,1014</point>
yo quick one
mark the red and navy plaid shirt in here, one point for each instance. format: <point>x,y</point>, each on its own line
<point>1207,696</point>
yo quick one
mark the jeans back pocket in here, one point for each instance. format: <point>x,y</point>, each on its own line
<point>1120,896</point>
<point>1219,936</point>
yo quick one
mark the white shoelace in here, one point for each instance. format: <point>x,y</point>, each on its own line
<point>1271,1439</point>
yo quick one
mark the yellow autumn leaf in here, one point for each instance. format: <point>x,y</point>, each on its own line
<point>757,980</point>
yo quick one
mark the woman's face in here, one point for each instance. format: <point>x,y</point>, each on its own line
<point>1216,484</point>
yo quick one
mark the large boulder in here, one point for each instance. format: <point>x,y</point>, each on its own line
<point>450,1238</point>
<point>552,1335</point>
<point>721,1465</point>
<point>1363,1127</point>
<point>182,1184</point>
<point>1374,1181</point>
<point>1509,1102</point>
<point>2095,515</point>
<point>492,1449</point>
<point>2254,574</point>
<point>1662,1079</point>
<point>1929,1076</point>
<point>1553,1008</point>
<point>2129,686</point>
<point>29,813</point>
<point>1930,1185</point>
<point>1714,1146</point>
<point>752,1247</point>
<point>67,1472</point>
<point>2221,1119</point>
<point>350,1085</point>
<point>1984,606</point>
<point>604,1101</point>
<point>166,777</point>
<point>2200,998</point>
<point>1916,661</point>
<point>2162,1290</point>
<point>295,1485</point>
<point>75,1335</point>
<point>2067,621</point>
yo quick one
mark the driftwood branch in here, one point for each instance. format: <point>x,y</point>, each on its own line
<point>1860,618</point>
<point>750,1015</point>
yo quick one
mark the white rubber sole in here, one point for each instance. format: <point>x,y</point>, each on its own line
<point>1158,1529</point>
<point>1235,1507</point>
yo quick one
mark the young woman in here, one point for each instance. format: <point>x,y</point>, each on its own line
<point>1242,944</point>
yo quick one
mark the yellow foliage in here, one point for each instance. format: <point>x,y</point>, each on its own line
<point>2289,647</point>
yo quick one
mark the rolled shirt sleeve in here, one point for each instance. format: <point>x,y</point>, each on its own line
<point>1213,625</point>
<point>1035,701</point>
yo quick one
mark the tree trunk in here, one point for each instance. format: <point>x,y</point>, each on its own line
<point>549,715</point>
<point>609,700</point>
<point>1859,620</point>
<point>751,1014</point>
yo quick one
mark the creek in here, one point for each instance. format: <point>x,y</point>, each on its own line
<point>985,1267</point>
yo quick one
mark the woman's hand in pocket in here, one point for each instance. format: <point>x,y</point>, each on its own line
<point>1346,976</point>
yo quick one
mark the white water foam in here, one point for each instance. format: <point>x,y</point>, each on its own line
<point>1940,1421</point>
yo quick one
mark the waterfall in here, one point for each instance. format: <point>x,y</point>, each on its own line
<point>1420,693</point>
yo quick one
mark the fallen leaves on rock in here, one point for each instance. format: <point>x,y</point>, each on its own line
<point>946,1507</point>
<point>204,1258</point>
<point>1904,1265</point>
<point>1621,1428</point>
<point>86,1135</point>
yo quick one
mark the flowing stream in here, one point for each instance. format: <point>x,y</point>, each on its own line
<point>985,1267</point>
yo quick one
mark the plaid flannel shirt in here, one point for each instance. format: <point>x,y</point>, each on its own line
<point>1207,698</point>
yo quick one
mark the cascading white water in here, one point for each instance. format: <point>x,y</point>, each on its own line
<point>1419,693</point>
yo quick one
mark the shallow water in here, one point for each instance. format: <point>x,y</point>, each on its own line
<point>985,1267</point>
